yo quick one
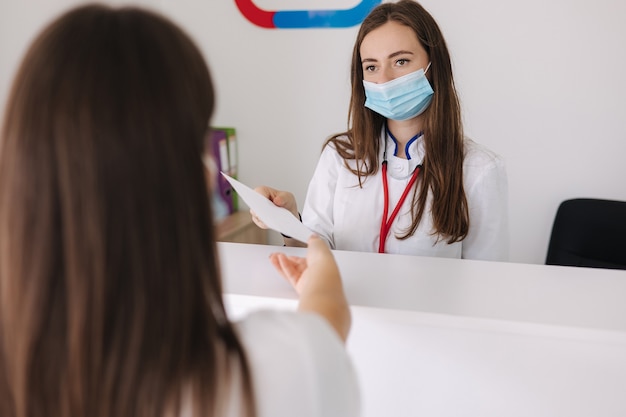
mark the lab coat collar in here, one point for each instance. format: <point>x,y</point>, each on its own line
<point>400,168</point>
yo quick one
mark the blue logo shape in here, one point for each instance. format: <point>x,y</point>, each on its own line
<point>305,19</point>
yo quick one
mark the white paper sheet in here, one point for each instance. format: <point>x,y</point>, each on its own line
<point>274,217</point>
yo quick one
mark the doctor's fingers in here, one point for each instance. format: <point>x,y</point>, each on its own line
<point>266,192</point>
<point>257,221</point>
<point>280,198</point>
<point>287,200</point>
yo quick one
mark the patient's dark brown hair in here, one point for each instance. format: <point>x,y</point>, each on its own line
<point>110,295</point>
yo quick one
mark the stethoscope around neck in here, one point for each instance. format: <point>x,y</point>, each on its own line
<point>385,224</point>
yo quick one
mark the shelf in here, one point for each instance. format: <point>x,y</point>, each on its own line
<point>239,228</point>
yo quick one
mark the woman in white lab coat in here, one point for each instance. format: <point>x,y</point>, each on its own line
<point>403,178</point>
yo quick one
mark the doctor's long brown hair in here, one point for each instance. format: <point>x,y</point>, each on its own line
<point>110,297</point>
<point>442,174</point>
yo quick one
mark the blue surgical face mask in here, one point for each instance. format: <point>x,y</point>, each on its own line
<point>402,98</point>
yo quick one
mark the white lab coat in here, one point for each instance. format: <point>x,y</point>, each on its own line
<point>349,217</point>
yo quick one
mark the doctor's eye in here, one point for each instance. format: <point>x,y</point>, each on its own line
<point>369,68</point>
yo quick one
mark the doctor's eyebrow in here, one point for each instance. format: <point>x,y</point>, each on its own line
<point>401,52</point>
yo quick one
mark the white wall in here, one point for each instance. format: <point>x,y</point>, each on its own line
<point>541,82</point>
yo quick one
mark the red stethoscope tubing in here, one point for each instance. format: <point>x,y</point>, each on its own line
<point>385,224</point>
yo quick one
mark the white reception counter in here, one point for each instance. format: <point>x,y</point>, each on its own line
<point>447,337</point>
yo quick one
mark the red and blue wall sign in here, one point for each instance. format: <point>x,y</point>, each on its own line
<point>305,19</point>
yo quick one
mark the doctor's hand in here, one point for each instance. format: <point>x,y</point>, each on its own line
<point>317,281</point>
<point>280,198</point>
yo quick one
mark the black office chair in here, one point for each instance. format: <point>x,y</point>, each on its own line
<point>589,232</point>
